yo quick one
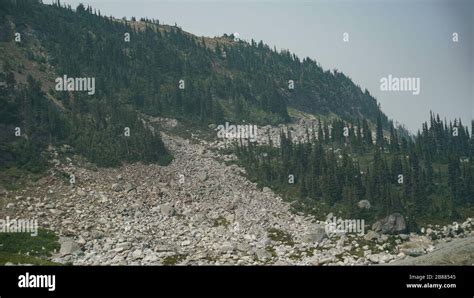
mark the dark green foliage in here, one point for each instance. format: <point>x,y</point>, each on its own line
<point>343,171</point>
<point>39,121</point>
<point>234,81</point>
<point>43,244</point>
<point>250,83</point>
<point>22,248</point>
<point>93,125</point>
<point>97,132</point>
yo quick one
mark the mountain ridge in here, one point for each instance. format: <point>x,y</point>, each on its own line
<point>313,97</point>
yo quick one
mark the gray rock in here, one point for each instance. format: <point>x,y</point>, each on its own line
<point>56,212</point>
<point>199,218</point>
<point>316,235</point>
<point>363,204</point>
<point>163,247</point>
<point>375,258</point>
<point>167,210</point>
<point>137,254</point>
<point>97,234</point>
<point>413,252</point>
<point>202,176</point>
<point>458,251</point>
<point>151,258</point>
<point>263,254</point>
<point>226,247</point>
<point>371,235</point>
<point>385,258</point>
<point>68,247</point>
<point>103,198</point>
<point>81,241</point>
<point>244,247</point>
<point>116,187</point>
<point>392,224</point>
<point>404,236</point>
<point>383,238</point>
<point>124,245</point>
<point>128,187</point>
<point>326,260</point>
<point>417,246</point>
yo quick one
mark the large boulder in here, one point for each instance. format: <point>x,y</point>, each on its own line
<point>80,192</point>
<point>167,210</point>
<point>315,235</point>
<point>392,224</point>
<point>263,254</point>
<point>363,204</point>
<point>69,247</point>
<point>116,187</point>
<point>371,235</point>
<point>417,246</point>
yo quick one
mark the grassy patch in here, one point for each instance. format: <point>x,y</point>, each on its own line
<point>14,178</point>
<point>179,216</point>
<point>298,255</point>
<point>174,259</point>
<point>22,248</point>
<point>186,129</point>
<point>221,221</point>
<point>211,259</point>
<point>271,250</point>
<point>280,236</point>
<point>23,259</point>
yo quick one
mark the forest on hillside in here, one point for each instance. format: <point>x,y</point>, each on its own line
<point>159,70</point>
<point>430,176</point>
<point>144,68</point>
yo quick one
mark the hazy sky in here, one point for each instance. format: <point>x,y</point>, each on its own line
<point>397,37</point>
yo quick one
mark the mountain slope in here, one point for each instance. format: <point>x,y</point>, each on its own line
<point>249,81</point>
